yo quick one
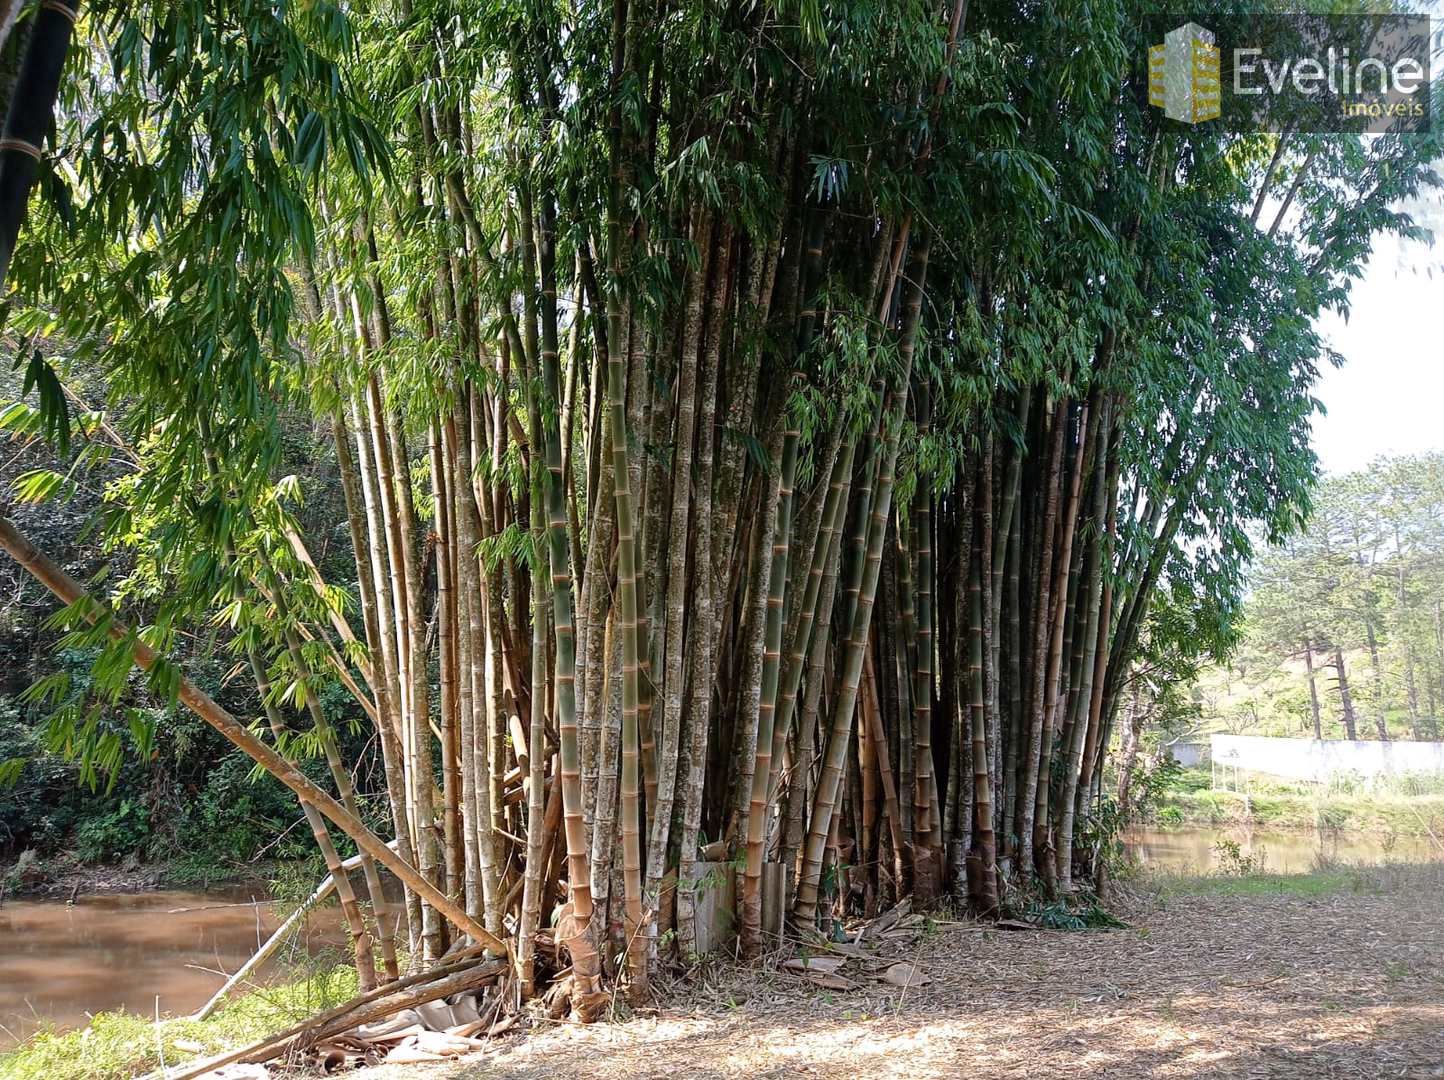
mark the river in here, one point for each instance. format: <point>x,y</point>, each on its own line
<point>60,962</point>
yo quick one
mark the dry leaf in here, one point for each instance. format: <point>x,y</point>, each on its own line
<point>826,964</point>
<point>828,981</point>
<point>904,975</point>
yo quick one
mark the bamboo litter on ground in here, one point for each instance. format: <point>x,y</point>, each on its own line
<point>1345,986</point>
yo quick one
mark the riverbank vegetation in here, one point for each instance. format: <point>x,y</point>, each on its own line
<point>577,449</point>
<point>1411,807</point>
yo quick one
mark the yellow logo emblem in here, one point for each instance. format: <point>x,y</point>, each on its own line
<point>1183,76</point>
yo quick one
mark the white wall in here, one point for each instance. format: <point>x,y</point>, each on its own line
<point>1312,759</point>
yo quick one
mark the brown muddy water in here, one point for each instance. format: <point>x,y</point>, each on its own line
<point>61,962</point>
<point>1196,850</point>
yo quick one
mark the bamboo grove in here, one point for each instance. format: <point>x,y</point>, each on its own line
<point>769,434</point>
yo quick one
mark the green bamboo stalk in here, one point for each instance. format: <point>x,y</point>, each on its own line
<point>804,910</point>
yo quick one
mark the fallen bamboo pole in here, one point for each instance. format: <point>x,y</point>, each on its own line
<point>453,978</point>
<point>44,570</point>
<point>323,890</point>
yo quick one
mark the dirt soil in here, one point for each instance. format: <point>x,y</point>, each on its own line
<point>1344,986</point>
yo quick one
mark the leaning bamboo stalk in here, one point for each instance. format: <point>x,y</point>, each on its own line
<point>360,939</point>
<point>798,790</point>
<point>327,886</point>
<point>345,790</point>
<point>834,507</point>
<point>45,571</point>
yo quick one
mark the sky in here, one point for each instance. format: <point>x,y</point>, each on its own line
<point>1389,396</point>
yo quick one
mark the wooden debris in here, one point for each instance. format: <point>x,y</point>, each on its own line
<point>378,1004</point>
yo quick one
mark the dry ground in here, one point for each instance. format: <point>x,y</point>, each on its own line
<point>1349,985</point>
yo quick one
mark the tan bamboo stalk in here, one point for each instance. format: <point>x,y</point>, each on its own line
<point>422,779</point>
<point>597,590</point>
<point>884,768</point>
<point>500,664</point>
<point>358,488</point>
<point>750,641</point>
<point>45,571</point>
<point>982,855</point>
<point>472,691</point>
<point>627,602</point>
<point>532,755</point>
<point>1093,572</point>
<point>587,997</point>
<point>446,636</point>
<point>867,793</point>
<point>926,818</point>
<point>758,814</point>
<point>799,791</point>
<point>672,671</point>
<point>392,570</point>
<point>465,708</point>
<point>372,486</point>
<point>701,639</point>
<point>897,642</point>
<point>1092,750</point>
<point>1031,740</point>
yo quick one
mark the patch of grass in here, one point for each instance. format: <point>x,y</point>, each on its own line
<point>120,1045</point>
<point>1326,879</point>
<point>1262,884</point>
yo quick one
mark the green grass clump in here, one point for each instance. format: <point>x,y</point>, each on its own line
<point>1324,883</point>
<point>120,1045</point>
<point>1326,879</point>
